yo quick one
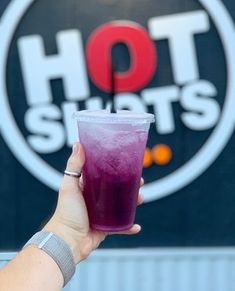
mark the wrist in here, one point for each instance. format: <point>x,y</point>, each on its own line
<point>67,234</point>
<point>57,249</point>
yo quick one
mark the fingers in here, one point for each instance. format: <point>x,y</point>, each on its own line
<point>81,184</point>
<point>141,181</point>
<point>136,228</point>
<point>74,164</point>
<point>140,199</point>
<point>76,160</point>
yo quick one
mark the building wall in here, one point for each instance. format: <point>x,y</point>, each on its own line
<point>173,269</point>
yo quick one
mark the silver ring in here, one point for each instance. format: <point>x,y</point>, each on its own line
<point>72,174</point>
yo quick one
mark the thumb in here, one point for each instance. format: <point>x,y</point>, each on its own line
<point>75,164</point>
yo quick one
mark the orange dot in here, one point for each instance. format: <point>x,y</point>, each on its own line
<point>147,158</point>
<point>161,154</point>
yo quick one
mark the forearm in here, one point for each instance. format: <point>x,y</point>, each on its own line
<point>32,269</point>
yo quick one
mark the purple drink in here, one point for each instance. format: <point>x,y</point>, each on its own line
<point>114,146</point>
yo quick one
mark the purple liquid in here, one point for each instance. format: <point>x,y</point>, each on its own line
<point>112,172</point>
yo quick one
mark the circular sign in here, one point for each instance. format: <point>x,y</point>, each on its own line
<point>154,190</point>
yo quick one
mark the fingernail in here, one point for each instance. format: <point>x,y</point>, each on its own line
<point>138,228</point>
<point>76,149</point>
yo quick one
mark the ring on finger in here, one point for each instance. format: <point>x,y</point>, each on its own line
<point>72,174</point>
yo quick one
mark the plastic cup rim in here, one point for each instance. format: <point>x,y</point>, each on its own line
<point>105,116</point>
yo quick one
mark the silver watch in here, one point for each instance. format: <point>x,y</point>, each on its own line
<point>58,250</point>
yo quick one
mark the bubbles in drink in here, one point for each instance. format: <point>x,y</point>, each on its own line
<point>114,150</point>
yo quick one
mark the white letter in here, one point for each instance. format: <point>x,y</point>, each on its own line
<point>161,99</point>
<point>94,103</point>
<point>48,133</point>
<point>196,97</point>
<point>179,29</point>
<point>68,64</point>
<point>129,101</point>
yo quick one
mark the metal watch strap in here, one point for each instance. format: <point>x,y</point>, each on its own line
<point>58,250</point>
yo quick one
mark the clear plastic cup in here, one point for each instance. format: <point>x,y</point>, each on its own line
<point>114,145</point>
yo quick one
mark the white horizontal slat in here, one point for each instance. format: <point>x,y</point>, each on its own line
<point>149,274</point>
<point>202,274</point>
<point>95,275</point>
<point>231,274</point>
<point>183,273</point>
<point>128,272</point>
<point>167,271</point>
<point>111,269</point>
<point>220,274</point>
<point>154,270</point>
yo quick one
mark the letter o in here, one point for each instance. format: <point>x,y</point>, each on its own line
<point>142,53</point>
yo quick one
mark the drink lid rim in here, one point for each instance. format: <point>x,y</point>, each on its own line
<point>105,116</point>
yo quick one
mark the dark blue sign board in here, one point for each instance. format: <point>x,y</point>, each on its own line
<point>173,58</point>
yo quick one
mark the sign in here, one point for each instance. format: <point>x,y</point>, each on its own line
<point>176,61</point>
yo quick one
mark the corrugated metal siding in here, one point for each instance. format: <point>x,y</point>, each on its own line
<point>154,270</point>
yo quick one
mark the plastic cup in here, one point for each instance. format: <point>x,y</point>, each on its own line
<point>114,145</point>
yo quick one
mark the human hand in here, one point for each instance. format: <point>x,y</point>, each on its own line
<point>70,220</point>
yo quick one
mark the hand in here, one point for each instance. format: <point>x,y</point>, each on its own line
<point>70,220</point>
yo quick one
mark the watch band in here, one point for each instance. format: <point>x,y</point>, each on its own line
<point>58,250</point>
